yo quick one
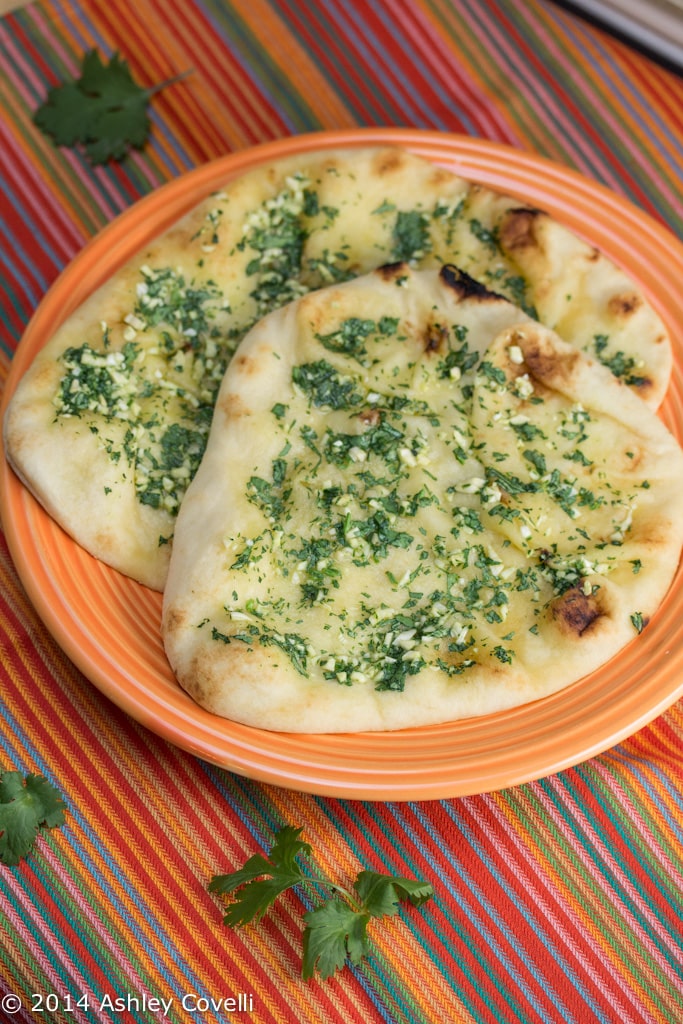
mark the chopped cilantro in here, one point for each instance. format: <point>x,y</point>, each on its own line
<point>325,386</point>
<point>349,337</point>
<point>459,359</point>
<point>621,365</point>
<point>411,235</point>
<point>484,235</point>
<point>264,495</point>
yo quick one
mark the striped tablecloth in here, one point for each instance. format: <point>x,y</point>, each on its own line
<point>556,901</point>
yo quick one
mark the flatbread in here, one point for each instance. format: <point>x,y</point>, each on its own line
<point>416,505</point>
<point>109,424</point>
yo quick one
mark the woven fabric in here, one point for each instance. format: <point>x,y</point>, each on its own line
<point>557,901</point>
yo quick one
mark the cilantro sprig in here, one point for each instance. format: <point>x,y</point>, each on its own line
<point>27,804</point>
<point>104,109</point>
<point>335,930</point>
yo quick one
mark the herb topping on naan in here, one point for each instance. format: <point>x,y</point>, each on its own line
<point>416,504</point>
<point>121,398</point>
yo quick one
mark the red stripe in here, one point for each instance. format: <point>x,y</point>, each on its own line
<point>452,946</point>
<point>587,807</point>
<point>89,961</point>
<point>107,808</point>
<point>28,58</point>
<point>130,36</point>
<point>585,131</point>
<point>230,84</point>
<point>333,60</point>
<point>39,205</point>
<point>454,90</point>
<point>382,69</point>
<point>657,89</point>
<point>117,811</point>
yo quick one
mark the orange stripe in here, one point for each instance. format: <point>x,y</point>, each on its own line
<point>52,167</point>
<point>396,945</point>
<point>257,952</point>
<point>74,755</point>
<point>641,107</point>
<point>285,51</point>
<point>571,887</point>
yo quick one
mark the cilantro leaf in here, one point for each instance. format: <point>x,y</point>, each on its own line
<point>104,110</point>
<point>62,114</point>
<point>256,894</point>
<point>336,930</point>
<point>333,931</point>
<point>380,894</point>
<point>26,805</point>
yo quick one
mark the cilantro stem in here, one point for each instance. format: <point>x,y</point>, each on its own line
<point>154,89</point>
<point>336,929</point>
<point>325,883</point>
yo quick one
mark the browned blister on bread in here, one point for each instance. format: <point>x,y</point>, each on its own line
<point>417,504</point>
<point>121,398</point>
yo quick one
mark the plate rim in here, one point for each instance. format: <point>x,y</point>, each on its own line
<point>245,755</point>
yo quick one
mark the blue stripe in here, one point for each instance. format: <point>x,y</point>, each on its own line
<point>9,929</point>
<point>261,70</point>
<point>231,787</point>
<point>10,335</point>
<point>628,169</point>
<point>42,941</point>
<point>174,163</point>
<point>13,254</point>
<point>465,993</point>
<point>491,911</point>
<point>10,63</point>
<point>577,151</point>
<point>629,837</point>
<point>631,762</point>
<point>490,942</point>
<point>120,190</point>
<point>369,108</point>
<point>420,114</point>
<point>89,871</point>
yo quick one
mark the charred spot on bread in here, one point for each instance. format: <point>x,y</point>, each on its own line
<point>392,271</point>
<point>577,613</point>
<point>435,339</point>
<point>518,228</point>
<point>624,305</point>
<point>388,161</point>
<point>547,364</point>
<point>247,364</point>
<point>464,286</point>
<point>233,405</point>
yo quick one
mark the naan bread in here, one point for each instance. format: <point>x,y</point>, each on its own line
<point>109,425</point>
<point>416,504</point>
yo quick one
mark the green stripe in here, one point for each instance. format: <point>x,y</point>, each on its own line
<point>82,193</point>
<point>375,975</point>
<point>501,85</point>
<point>15,953</point>
<point>428,925</point>
<point>262,67</point>
<point>604,895</point>
<point>581,82</point>
<point>623,820</point>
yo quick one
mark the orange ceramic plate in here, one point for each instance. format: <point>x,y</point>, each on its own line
<point>109,626</point>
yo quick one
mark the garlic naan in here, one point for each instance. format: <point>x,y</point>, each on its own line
<point>108,426</point>
<point>416,504</point>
